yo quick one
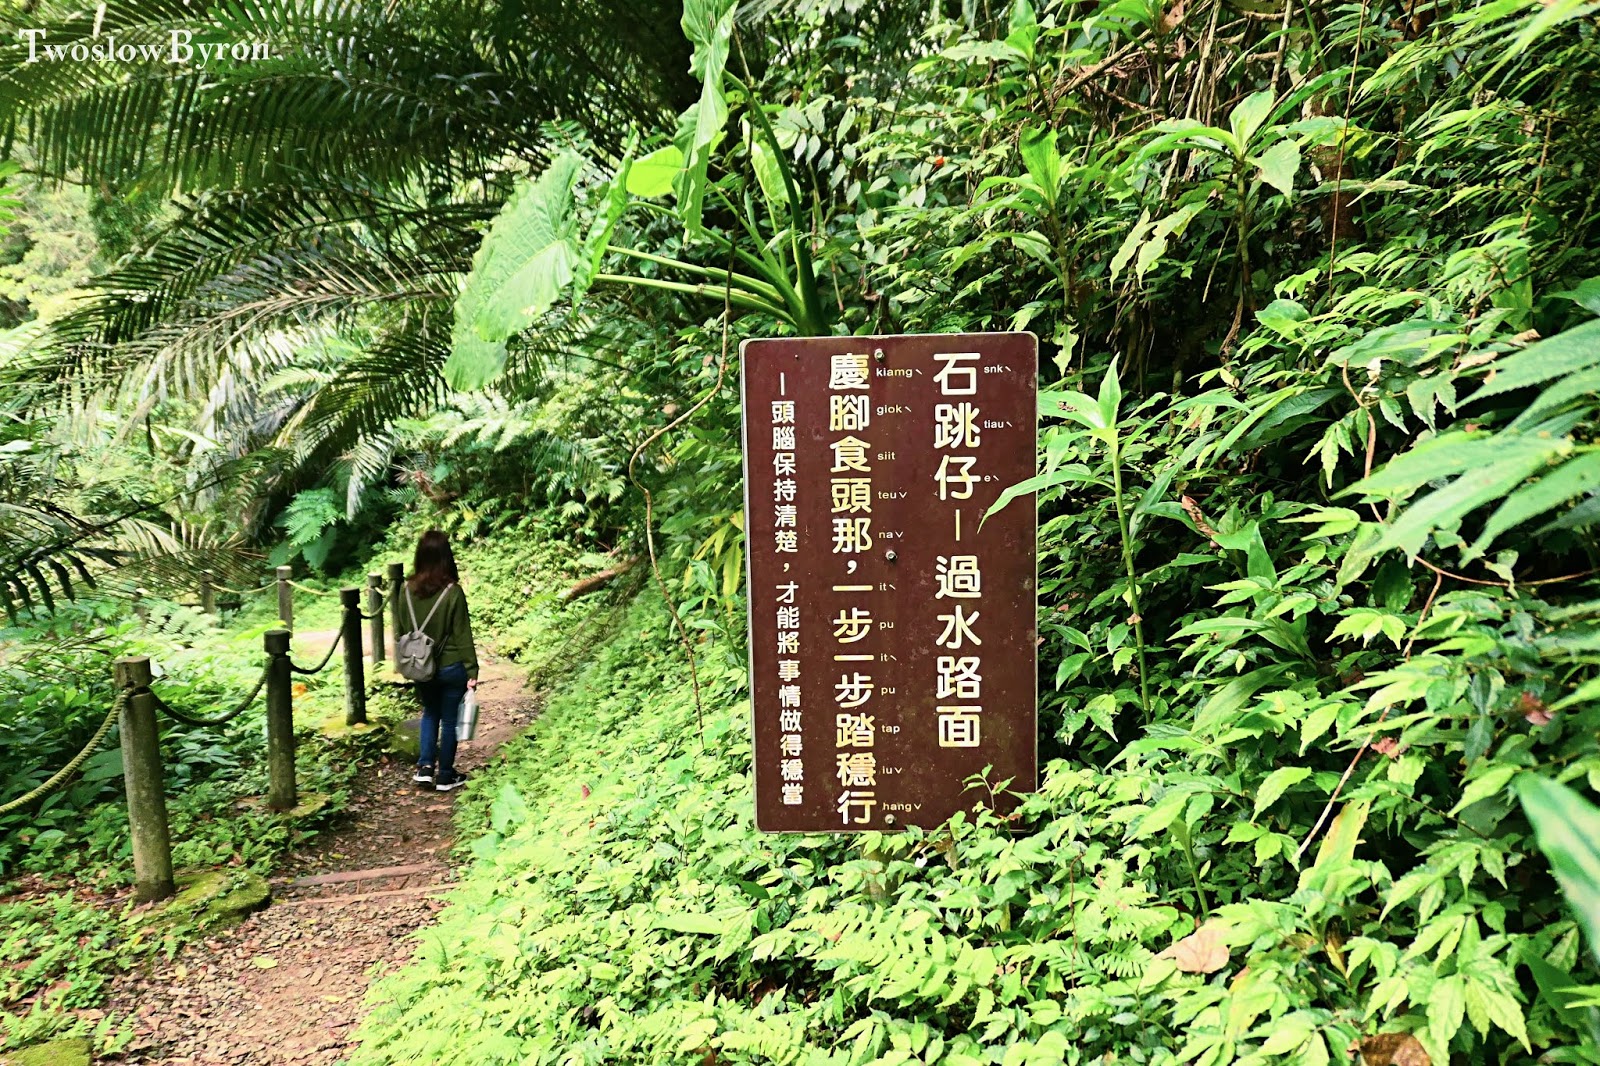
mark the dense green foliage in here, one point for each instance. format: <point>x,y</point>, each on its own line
<point>1316,287</point>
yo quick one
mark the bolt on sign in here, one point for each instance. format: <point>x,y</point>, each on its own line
<point>892,627</point>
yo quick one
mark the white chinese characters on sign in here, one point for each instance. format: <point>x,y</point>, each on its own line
<point>850,497</point>
<point>956,427</point>
<point>786,541</point>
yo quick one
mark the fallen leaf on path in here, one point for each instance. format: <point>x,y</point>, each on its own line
<point>1202,951</point>
<point>1393,1049</point>
<point>265,962</point>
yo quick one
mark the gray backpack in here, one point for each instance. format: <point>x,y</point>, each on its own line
<point>414,650</point>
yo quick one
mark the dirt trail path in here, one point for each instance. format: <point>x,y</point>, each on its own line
<point>285,987</point>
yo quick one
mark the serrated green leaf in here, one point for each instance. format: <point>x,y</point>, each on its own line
<point>1565,353</point>
<point>1471,490</point>
<point>1578,476</point>
<point>691,923</point>
<point>1489,783</point>
<point>1277,783</point>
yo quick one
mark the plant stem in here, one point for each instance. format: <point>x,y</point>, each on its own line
<point>738,281</point>
<point>737,299</point>
<point>1127,562</point>
<point>1182,832</point>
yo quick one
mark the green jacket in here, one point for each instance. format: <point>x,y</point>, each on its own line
<point>450,627</point>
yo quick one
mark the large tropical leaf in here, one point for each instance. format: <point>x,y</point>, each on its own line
<point>709,26</point>
<point>529,258</point>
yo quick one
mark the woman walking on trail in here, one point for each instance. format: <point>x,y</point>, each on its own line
<point>438,607</point>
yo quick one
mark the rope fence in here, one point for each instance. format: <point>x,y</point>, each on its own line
<point>60,776</point>
<point>245,592</point>
<point>136,706</point>
<point>326,659</point>
<point>378,606</point>
<point>171,711</point>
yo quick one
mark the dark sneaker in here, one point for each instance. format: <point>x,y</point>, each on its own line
<point>451,783</point>
<point>423,776</point>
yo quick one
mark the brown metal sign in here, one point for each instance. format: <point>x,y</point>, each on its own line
<point>892,629</point>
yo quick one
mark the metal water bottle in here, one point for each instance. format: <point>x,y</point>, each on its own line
<point>467,720</point>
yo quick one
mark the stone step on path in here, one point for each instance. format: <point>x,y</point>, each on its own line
<point>286,986</point>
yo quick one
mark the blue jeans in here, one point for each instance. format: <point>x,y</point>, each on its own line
<point>441,703</point>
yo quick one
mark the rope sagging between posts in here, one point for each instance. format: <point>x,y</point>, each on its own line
<point>244,592</point>
<point>325,659</point>
<point>230,716</point>
<point>312,591</point>
<point>61,775</point>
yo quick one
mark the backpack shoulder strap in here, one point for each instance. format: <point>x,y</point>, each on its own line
<point>412,607</point>
<point>433,609</point>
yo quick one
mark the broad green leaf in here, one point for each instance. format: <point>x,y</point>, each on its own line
<point>1109,402</point>
<point>1042,160</point>
<point>769,175</point>
<point>1279,164</point>
<point>1575,349</point>
<point>1568,830</point>
<point>1277,783</point>
<point>1283,317</point>
<point>653,175</point>
<point>1586,295</point>
<point>525,263</point>
<point>1130,244</point>
<point>709,26</point>
<point>1023,29</point>
<point>1247,118</point>
<point>1072,473</point>
<point>1073,405</point>
<point>1156,246</point>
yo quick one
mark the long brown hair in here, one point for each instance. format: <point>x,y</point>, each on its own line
<point>434,565</point>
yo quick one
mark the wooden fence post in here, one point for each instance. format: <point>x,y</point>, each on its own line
<point>281,793</point>
<point>397,576</point>
<point>285,597</point>
<point>375,609</point>
<point>355,676</point>
<point>140,608</point>
<point>141,778</point>
<point>208,592</point>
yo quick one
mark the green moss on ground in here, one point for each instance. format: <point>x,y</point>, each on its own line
<point>75,1052</point>
<point>211,898</point>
